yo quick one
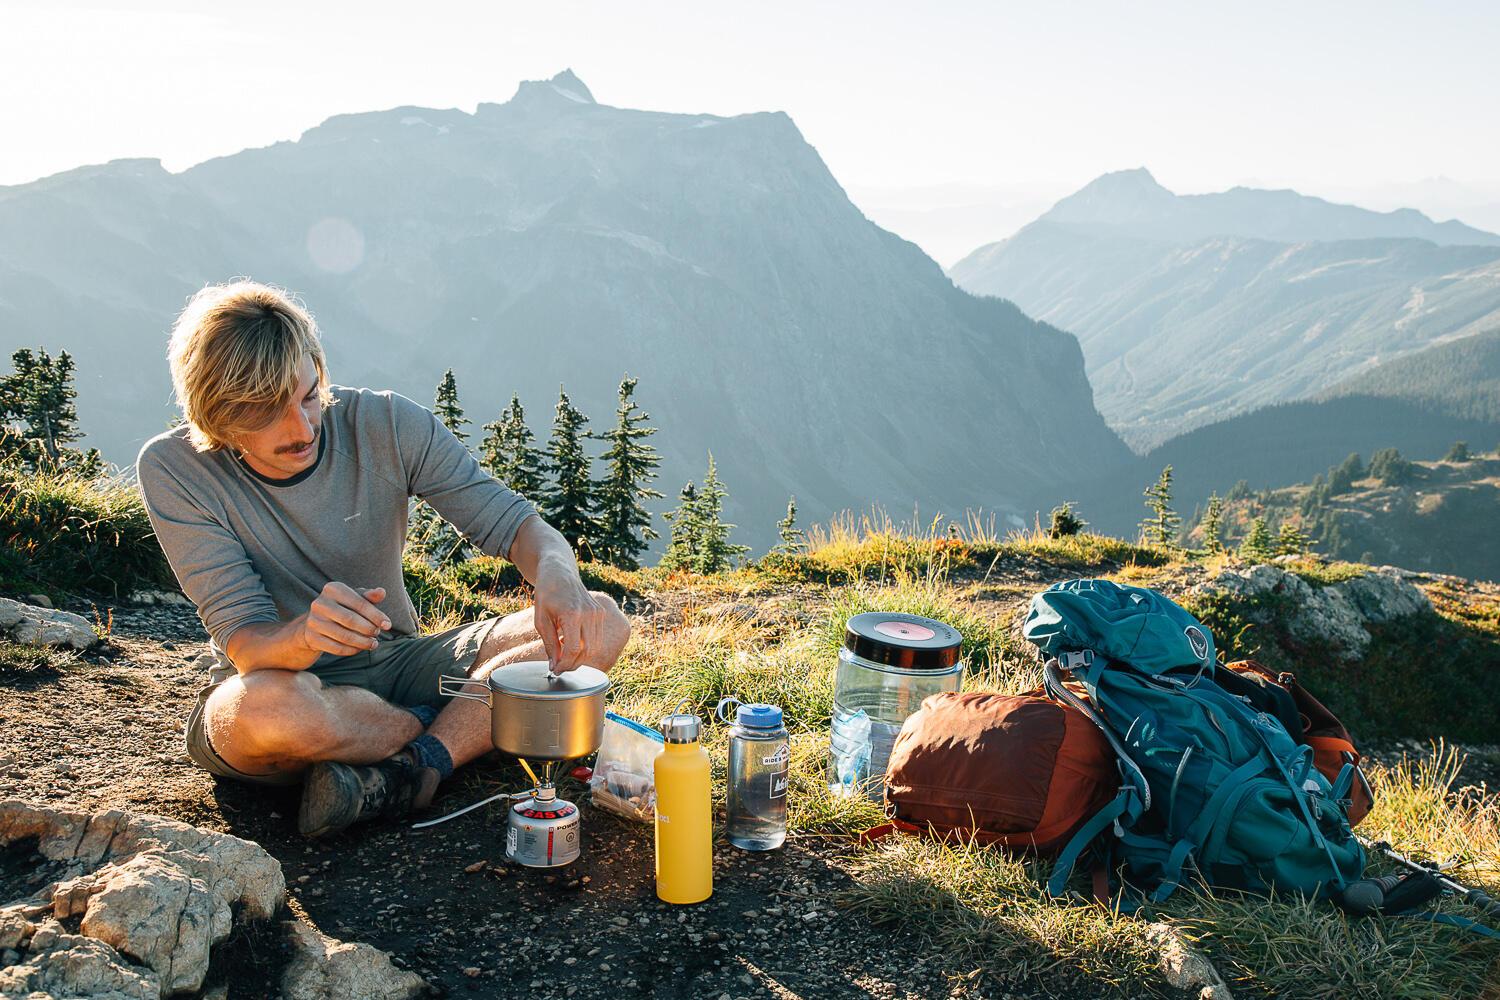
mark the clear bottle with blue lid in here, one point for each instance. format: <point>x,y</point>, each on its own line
<point>759,758</point>
<point>889,662</point>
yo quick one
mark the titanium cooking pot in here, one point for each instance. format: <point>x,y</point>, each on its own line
<point>537,714</point>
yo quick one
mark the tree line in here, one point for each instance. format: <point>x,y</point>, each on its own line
<point>604,517</point>
<point>1316,523</point>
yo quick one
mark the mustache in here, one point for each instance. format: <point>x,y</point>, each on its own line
<point>287,449</point>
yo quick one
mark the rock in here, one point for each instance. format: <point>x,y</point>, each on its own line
<point>145,889</point>
<point>37,626</point>
<point>1185,967</point>
<point>325,969</point>
<point>40,600</point>
<point>75,965</point>
<point>170,597</point>
<point>1336,615</point>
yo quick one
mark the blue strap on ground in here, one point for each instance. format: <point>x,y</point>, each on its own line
<point>1057,885</point>
<point>1453,920</point>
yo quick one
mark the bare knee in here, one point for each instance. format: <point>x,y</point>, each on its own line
<point>616,632</point>
<point>271,715</point>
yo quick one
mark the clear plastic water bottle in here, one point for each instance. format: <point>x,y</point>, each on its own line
<point>758,763</point>
<point>888,664</point>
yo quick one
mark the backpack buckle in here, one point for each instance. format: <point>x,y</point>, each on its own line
<point>1077,660</point>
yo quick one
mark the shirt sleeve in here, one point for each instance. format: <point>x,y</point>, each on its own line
<point>443,472</point>
<point>209,562</point>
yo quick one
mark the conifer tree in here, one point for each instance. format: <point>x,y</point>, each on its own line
<point>1390,468</point>
<point>569,503</point>
<point>1065,521</point>
<point>448,409</point>
<point>1291,540</point>
<point>428,535</point>
<point>509,454</point>
<point>624,525</point>
<point>715,552</point>
<point>682,547</point>
<point>1212,520</point>
<point>1458,453</point>
<point>1342,477</point>
<point>1257,546</point>
<point>1161,527</point>
<point>39,410</point>
<point>793,538</point>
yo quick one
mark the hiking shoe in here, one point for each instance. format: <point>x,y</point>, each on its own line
<point>336,795</point>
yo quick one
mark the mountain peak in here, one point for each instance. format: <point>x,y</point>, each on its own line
<point>564,86</point>
<point>1115,198</point>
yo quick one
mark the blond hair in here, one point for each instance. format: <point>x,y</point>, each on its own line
<point>236,355</point>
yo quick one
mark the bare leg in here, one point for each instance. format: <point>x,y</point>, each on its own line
<point>283,720</point>
<point>464,726</point>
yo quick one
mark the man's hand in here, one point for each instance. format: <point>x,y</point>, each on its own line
<point>344,620</point>
<point>569,620</point>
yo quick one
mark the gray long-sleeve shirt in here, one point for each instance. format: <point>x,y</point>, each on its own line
<point>248,549</point>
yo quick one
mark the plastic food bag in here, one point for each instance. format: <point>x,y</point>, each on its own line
<point>623,779</point>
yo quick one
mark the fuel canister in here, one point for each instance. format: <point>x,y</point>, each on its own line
<point>543,831</point>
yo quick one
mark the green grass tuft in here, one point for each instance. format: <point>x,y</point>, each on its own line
<point>62,534</point>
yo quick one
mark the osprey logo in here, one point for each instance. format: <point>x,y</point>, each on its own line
<point>1197,640</point>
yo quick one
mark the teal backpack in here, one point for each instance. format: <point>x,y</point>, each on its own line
<point>1209,783</point>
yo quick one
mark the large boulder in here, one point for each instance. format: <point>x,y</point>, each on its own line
<point>150,898</point>
<point>154,893</point>
<point>37,626</point>
<point>1336,615</point>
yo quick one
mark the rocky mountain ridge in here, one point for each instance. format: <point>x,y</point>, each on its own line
<point>1193,309</point>
<point>552,239</point>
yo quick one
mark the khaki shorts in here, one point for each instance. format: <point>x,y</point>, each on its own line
<point>402,671</point>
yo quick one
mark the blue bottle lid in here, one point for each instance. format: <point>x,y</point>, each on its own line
<point>758,716</point>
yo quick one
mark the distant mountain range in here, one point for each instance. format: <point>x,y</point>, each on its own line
<point>1191,309</point>
<point>552,239</point>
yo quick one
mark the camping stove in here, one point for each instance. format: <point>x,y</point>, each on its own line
<point>543,831</point>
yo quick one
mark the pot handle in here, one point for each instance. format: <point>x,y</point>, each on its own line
<point>453,687</point>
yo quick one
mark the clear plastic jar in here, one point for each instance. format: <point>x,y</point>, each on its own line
<point>758,764</point>
<point>888,664</point>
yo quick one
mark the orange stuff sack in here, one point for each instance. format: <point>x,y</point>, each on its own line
<point>1017,770</point>
<point>1331,743</point>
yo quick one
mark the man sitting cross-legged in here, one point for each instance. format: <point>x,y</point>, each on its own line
<point>281,503</point>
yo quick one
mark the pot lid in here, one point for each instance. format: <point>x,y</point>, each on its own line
<point>533,679</point>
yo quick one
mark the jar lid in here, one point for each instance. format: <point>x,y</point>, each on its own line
<point>534,679</point>
<point>758,716</point>
<point>901,640</point>
<point>681,727</point>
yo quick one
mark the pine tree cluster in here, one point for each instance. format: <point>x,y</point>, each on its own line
<point>605,518</point>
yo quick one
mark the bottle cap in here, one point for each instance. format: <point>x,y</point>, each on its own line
<point>681,726</point>
<point>758,716</point>
<point>899,640</point>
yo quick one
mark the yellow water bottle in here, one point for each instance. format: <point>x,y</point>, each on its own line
<point>684,822</point>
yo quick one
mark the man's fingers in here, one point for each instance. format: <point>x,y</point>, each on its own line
<point>572,643</point>
<point>360,603</point>
<point>347,636</point>
<point>326,643</point>
<point>339,615</point>
<point>548,631</point>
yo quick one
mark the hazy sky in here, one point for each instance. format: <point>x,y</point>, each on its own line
<point>1021,101</point>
